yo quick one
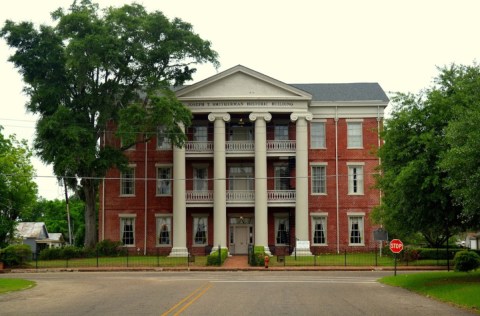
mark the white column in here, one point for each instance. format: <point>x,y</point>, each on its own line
<point>179,248</point>
<point>301,179</point>
<point>219,182</point>
<point>261,196</point>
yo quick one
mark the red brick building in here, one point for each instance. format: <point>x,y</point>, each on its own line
<point>284,166</point>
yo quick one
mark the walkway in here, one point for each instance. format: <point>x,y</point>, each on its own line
<point>237,261</point>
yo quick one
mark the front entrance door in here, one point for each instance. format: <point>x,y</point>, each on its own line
<point>241,239</point>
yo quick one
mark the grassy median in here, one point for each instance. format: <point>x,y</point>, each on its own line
<point>10,285</point>
<point>458,288</point>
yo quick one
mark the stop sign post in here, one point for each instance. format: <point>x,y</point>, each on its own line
<point>396,246</point>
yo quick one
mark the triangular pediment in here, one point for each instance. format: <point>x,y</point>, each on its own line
<point>240,83</point>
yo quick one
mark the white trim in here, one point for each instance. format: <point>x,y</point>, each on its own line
<point>354,120</point>
<point>127,215</point>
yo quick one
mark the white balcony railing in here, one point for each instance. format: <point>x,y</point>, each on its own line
<point>281,145</point>
<point>199,196</point>
<point>281,196</point>
<point>199,147</point>
<point>240,146</point>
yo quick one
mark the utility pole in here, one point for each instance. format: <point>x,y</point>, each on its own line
<point>68,213</point>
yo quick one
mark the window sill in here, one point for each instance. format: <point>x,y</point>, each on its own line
<point>356,245</point>
<point>127,195</point>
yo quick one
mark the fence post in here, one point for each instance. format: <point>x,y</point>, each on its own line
<point>36,261</point>
<point>376,256</point>
<point>345,257</point>
<point>97,256</point>
<point>219,255</point>
<point>158,257</point>
<point>127,258</point>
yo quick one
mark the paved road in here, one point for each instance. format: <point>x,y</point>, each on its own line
<point>216,293</point>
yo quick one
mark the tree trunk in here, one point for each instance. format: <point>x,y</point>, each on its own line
<point>90,191</point>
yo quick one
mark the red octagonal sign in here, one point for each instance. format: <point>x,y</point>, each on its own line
<point>396,245</point>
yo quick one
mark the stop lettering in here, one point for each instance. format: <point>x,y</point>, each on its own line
<point>396,245</point>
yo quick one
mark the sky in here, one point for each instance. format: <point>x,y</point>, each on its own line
<point>399,44</point>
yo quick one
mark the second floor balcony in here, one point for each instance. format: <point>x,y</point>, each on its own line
<point>241,148</point>
<point>241,198</point>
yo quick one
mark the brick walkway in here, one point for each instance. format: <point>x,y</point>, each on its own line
<point>236,262</point>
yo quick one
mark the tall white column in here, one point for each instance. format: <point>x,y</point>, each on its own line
<point>261,196</point>
<point>219,182</point>
<point>301,179</point>
<point>179,248</point>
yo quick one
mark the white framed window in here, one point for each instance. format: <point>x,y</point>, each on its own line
<point>282,229</point>
<point>164,230</point>
<point>127,230</point>
<point>282,177</point>
<point>200,179</point>
<point>200,230</point>
<point>355,178</point>
<point>354,135</point>
<point>281,131</point>
<point>127,182</point>
<point>317,135</point>
<point>163,142</point>
<point>319,179</point>
<point>356,229</point>
<point>319,229</point>
<point>200,133</point>
<point>240,178</point>
<point>164,180</point>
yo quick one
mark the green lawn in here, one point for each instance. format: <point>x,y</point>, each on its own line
<point>459,288</point>
<point>10,285</point>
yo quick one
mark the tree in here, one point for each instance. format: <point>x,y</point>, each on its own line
<point>97,69</point>
<point>416,198</point>
<point>54,214</point>
<point>462,161</point>
<point>18,191</point>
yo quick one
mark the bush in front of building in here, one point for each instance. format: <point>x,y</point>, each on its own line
<point>466,261</point>
<point>214,259</point>
<point>67,252</point>
<point>110,248</point>
<point>257,257</point>
<point>15,255</point>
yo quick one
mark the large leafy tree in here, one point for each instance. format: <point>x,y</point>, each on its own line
<point>415,195</point>
<point>18,191</point>
<point>462,159</point>
<point>95,69</point>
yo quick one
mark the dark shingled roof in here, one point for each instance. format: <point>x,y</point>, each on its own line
<point>343,91</point>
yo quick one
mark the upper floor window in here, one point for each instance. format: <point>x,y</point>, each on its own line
<point>164,180</point>
<point>282,177</point>
<point>355,179</point>
<point>241,178</point>
<point>200,133</point>
<point>281,131</point>
<point>163,142</point>
<point>317,135</point>
<point>319,179</point>
<point>127,181</point>
<point>200,179</point>
<point>354,135</point>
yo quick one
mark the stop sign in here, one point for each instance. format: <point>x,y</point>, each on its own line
<point>396,245</point>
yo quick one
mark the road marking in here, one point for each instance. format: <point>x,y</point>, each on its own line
<point>199,292</point>
<point>298,281</point>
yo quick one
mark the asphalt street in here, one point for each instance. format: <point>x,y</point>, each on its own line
<point>216,293</point>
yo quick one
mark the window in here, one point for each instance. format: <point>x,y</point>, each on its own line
<point>317,135</point>
<point>163,142</point>
<point>319,230</point>
<point>241,178</point>
<point>200,231</point>
<point>164,230</point>
<point>319,179</point>
<point>354,135</point>
<point>355,230</point>
<point>200,133</point>
<point>355,179</point>
<point>127,231</point>
<point>281,131</point>
<point>282,230</point>
<point>200,179</point>
<point>282,177</point>
<point>127,181</point>
<point>164,180</point>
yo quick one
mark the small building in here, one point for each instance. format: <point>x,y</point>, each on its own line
<point>35,235</point>
<point>472,241</point>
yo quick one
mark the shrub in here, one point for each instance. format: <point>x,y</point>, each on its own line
<point>15,255</point>
<point>466,261</point>
<point>110,248</point>
<point>214,260</point>
<point>50,254</point>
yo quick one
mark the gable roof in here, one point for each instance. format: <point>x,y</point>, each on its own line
<point>32,230</point>
<point>344,91</point>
